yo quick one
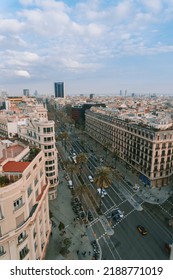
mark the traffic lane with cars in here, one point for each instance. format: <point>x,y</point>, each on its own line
<point>131,244</point>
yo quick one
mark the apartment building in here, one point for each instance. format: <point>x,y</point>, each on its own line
<point>148,149</point>
<point>40,132</point>
<point>24,211</point>
<point>29,121</point>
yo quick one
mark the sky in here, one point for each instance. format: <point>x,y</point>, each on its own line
<point>93,46</point>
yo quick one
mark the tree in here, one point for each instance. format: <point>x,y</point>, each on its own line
<point>81,160</point>
<point>64,137</point>
<point>71,168</point>
<point>102,179</point>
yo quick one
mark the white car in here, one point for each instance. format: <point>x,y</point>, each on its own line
<point>70,184</point>
<point>136,187</point>
<point>90,178</point>
<point>101,192</point>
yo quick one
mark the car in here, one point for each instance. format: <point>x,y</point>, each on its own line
<point>136,187</point>
<point>118,212</point>
<point>70,184</point>
<point>115,216</point>
<point>101,192</point>
<point>142,230</point>
<point>90,178</point>
<point>90,216</point>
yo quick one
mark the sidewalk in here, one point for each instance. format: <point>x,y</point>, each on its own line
<point>150,195</point>
<point>73,242</point>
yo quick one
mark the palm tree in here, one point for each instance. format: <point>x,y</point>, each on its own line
<point>80,190</point>
<point>102,179</point>
<point>71,168</point>
<point>64,137</point>
<point>81,160</point>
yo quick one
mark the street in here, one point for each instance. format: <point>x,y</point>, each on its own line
<point>124,241</point>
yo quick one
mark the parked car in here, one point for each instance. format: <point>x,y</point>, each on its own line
<point>142,230</point>
<point>90,216</point>
<point>101,192</point>
<point>90,178</point>
<point>70,184</point>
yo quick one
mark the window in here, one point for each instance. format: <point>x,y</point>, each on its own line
<point>48,162</point>
<point>20,220</point>
<point>1,215</point>
<point>2,251</point>
<point>22,237</point>
<point>50,174</point>
<point>29,190</point>
<point>35,181</point>
<point>36,193</point>
<point>34,233</point>
<point>41,172</point>
<point>47,129</point>
<point>50,168</point>
<point>23,252</point>
<point>35,246</point>
<point>18,203</point>
<point>28,175</point>
<point>49,147</point>
<point>48,139</point>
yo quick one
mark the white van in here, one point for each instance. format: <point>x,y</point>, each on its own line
<point>70,184</point>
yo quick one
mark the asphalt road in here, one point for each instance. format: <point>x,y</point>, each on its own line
<point>127,243</point>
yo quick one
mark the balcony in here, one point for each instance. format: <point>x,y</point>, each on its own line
<point>42,191</point>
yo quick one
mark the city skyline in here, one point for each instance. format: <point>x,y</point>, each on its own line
<point>92,46</point>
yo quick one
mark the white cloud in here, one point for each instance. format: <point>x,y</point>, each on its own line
<point>27,2</point>
<point>22,73</point>
<point>20,58</point>
<point>10,25</point>
<point>153,5</point>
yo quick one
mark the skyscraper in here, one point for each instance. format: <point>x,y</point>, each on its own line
<point>59,89</point>
<point>26,92</point>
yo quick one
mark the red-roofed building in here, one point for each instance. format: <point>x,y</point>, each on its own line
<point>13,166</point>
<point>24,210</point>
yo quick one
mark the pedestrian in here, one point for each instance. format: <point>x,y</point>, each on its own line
<point>89,253</point>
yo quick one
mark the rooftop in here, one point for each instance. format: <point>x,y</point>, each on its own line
<point>13,166</point>
<point>11,151</point>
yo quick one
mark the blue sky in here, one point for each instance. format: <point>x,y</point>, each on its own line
<point>94,46</point>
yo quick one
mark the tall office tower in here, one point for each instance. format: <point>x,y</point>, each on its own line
<point>59,89</point>
<point>26,92</point>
